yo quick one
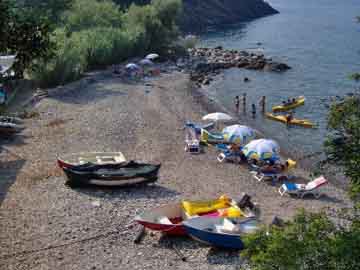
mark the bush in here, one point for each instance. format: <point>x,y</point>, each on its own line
<point>355,76</point>
<point>310,241</point>
<point>156,22</point>
<point>105,46</point>
<point>97,34</point>
<point>343,142</point>
<point>86,14</point>
<point>68,64</point>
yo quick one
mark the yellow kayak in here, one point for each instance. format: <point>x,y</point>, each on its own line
<point>282,108</point>
<point>297,122</point>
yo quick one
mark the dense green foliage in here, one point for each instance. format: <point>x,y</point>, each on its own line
<point>343,143</point>
<point>309,242</point>
<point>95,33</point>
<point>53,9</point>
<point>25,31</point>
<point>89,14</point>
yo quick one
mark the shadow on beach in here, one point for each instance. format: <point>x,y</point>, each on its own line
<point>93,94</point>
<point>217,256</point>
<point>152,191</point>
<point>8,172</point>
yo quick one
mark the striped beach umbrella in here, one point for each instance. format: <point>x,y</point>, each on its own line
<point>262,149</point>
<point>238,134</point>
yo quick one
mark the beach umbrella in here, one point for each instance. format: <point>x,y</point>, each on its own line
<point>262,149</point>
<point>132,66</point>
<point>152,56</point>
<point>217,117</point>
<point>146,62</point>
<point>238,134</point>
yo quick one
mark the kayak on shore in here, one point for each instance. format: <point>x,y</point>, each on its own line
<point>298,122</point>
<point>299,101</point>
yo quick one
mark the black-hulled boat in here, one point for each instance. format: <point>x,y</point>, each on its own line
<point>7,128</point>
<point>125,174</point>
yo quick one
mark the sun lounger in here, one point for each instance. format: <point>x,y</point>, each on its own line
<point>302,190</point>
<point>192,142</point>
<point>211,138</point>
<point>198,127</point>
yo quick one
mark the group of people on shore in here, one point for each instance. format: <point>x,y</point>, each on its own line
<point>242,100</point>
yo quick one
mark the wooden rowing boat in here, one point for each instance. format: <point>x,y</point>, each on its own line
<point>97,158</point>
<point>124,174</point>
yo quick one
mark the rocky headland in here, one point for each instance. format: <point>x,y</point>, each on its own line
<point>210,62</point>
<point>200,15</point>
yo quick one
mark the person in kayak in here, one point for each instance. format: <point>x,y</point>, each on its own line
<point>289,118</point>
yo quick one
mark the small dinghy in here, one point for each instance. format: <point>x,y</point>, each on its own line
<point>96,158</point>
<point>220,232</point>
<point>7,128</point>
<point>166,219</point>
<point>125,174</point>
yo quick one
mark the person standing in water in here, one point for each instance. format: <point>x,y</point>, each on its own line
<point>237,104</point>
<point>262,104</point>
<point>253,110</point>
<point>244,102</point>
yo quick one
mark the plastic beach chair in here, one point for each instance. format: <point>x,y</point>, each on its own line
<point>302,190</point>
<point>198,127</point>
<point>192,143</point>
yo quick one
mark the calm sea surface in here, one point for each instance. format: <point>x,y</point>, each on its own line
<point>319,39</point>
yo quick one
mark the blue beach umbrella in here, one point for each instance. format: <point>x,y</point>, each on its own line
<point>132,66</point>
<point>262,149</point>
<point>238,134</point>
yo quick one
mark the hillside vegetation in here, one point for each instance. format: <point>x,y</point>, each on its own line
<point>94,34</point>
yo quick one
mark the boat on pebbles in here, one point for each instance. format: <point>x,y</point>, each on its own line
<point>123,174</point>
<point>94,158</point>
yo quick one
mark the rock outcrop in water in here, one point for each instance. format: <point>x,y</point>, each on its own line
<point>211,60</point>
<point>200,15</point>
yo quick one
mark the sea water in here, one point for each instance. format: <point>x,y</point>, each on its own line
<point>319,39</point>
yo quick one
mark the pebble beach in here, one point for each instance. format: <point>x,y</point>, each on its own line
<point>46,225</point>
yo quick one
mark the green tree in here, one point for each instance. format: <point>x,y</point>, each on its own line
<point>343,143</point>
<point>156,22</point>
<point>310,242</point>
<point>86,14</point>
<point>53,9</point>
<point>26,33</point>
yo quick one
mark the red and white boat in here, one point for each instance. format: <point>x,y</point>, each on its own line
<point>167,219</point>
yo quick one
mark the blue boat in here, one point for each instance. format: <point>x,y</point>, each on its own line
<point>220,232</point>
